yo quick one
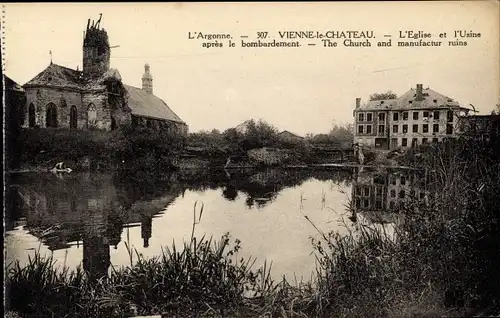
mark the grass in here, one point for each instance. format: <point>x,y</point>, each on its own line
<point>441,261</point>
<point>204,276</point>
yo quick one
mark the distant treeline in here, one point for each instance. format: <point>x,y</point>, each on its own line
<point>258,134</point>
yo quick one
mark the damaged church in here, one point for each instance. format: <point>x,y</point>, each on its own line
<point>95,97</point>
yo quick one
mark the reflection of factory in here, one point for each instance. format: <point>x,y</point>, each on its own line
<point>84,209</point>
<point>373,193</point>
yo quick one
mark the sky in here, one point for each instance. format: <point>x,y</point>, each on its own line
<point>303,90</point>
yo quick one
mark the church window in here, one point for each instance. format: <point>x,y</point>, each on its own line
<point>73,117</point>
<point>51,116</point>
<point>91,115</point>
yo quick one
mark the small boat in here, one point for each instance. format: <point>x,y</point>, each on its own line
<point>59,168</point>
<point>66,170</point>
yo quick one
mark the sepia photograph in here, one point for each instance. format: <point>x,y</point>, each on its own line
<point>252,159</point>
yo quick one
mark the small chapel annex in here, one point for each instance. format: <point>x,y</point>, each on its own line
<point>95,97</point>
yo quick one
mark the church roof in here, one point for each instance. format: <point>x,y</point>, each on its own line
<point>11,85</point>
<point>145,104</point>
<point>140,102</point>
<point>57,75</point>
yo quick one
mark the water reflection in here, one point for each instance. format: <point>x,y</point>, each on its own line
<point>92,213</point>
<point>379,195</point>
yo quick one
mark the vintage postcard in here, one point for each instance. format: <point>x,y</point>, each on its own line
<point>302,159</point>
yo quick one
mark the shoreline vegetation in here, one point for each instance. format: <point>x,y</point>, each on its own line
<point>442,259</point>
<point>258,145</point>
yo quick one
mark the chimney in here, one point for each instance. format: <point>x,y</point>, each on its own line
<point>358,102</point>
<point>147,80</point>
<point>419,96</point>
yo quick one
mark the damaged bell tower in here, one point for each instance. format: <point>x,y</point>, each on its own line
<point>96,50</point>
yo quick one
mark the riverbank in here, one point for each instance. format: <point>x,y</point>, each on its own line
<point>142,149</point>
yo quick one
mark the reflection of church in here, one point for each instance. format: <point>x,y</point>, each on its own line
<point>146,228</point>
<point>82,209</point>
<point>376,192</point>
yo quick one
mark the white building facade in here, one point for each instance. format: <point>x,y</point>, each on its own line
<point>417,117</point>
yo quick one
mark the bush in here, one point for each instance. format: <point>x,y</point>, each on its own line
<point>369,156</point>
<point>40,146</point>
<point>45,147</point>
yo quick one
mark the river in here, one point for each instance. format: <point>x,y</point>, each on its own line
<point>90,219</point>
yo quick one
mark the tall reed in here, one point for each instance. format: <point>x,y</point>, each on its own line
<point>203,275</point>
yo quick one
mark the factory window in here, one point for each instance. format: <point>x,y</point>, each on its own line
<point>450,116</point>
<point>449,129</point>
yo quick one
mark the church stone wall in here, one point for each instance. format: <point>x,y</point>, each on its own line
<point>100,101</point>
<point>63,100</point>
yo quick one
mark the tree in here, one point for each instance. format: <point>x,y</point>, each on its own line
<point>496,111</point>
<point>339,135</point>
<point>342,133</point>
<point>309,136</point>
<point>382,96</point>
<point>259,134</point>
<point>321,139</point>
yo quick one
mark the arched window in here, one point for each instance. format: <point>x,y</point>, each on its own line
<point>31,115</point>
<point>73,117</point>
<point>113,123</point>
<point>148,123</point>
<point>91,115</point>
<point>51,116</point>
